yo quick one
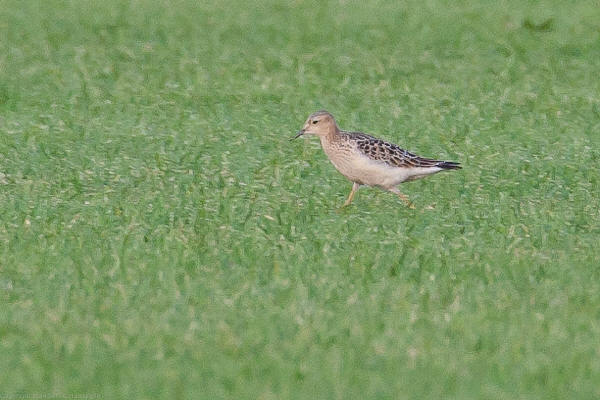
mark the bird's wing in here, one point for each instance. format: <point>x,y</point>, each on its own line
<point>389,153</point>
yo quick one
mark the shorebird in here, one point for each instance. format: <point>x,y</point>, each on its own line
<point>366,160</point>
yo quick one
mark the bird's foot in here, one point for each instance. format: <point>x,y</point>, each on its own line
<point>406,201</point>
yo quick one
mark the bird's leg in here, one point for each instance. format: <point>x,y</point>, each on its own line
<point>402,196</point>
<point>355,187</point>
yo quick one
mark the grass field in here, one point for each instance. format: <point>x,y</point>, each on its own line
<point>160,237</point>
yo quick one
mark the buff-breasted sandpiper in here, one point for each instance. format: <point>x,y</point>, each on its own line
<point>366,160</point>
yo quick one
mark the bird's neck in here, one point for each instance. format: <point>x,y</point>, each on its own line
<point>333,135</point>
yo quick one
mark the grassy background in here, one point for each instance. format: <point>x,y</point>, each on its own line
<point>160,237</point>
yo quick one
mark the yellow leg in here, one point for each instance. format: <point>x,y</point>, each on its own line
<point>402,197</point>
<point>355,187</point>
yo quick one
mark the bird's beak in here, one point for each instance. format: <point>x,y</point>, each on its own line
<point>300,133</point>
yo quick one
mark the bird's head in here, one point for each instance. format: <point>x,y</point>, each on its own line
<point>320,123</point>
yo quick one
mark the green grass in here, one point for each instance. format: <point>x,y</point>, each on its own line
<point>160,237</point>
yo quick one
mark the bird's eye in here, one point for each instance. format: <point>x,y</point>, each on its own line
<point>315,121</point>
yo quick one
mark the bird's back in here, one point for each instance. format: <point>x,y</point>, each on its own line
<point>371,161</point>
<point>388,153</point>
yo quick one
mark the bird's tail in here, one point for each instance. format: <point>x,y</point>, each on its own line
<point>448,165</point>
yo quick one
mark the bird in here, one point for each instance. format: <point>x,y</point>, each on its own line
<point>367,160</point>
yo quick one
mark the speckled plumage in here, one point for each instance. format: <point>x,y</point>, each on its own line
<point>387,152</point>
<point>366,160</point>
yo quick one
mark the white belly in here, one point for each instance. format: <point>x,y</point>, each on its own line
<point>363,170</point>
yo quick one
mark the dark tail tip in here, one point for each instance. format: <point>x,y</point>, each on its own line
<point>448,165</point>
